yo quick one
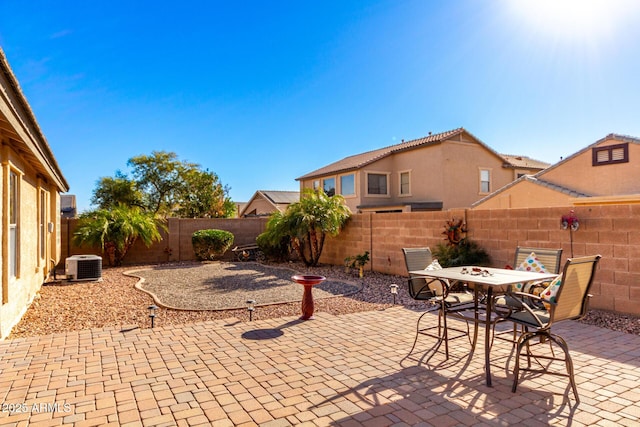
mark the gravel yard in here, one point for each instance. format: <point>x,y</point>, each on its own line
<point>115,302</point>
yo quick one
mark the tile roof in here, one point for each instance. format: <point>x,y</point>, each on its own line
<point>617,137</point>
<point>40,153</point>
<point>534,180</point>
<point>525,162</point>
<point>357,161</point>
<point>281,197</point>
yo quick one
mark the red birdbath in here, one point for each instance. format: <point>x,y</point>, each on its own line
<point>308,281</point>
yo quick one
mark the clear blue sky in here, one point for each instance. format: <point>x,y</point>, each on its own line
<point>262,92</point>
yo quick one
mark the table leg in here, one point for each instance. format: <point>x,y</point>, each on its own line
<point>487,336</point>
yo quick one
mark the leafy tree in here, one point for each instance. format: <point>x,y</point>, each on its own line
<point>111,191</point>
<point>163,185</point>
<point>161,178</point>
<point>307,223</point>
<point>115,230</point>
<point>203,196</point>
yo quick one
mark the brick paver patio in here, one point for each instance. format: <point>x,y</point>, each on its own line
<point>334,370</point>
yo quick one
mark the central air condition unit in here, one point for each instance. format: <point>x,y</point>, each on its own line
<point>83,267</point>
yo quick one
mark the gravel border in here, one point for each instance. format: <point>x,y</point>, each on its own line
<point>115,302</point>
<point>228,285</point>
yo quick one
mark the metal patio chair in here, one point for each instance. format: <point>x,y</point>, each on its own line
<point>440,297</point>
<point>569,303</point>
<point>549,258</point>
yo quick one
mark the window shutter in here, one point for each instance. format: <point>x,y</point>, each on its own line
<point>617,154</point>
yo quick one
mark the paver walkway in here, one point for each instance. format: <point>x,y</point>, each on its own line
<point>334,370</point>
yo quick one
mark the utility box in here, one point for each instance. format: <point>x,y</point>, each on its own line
<point>83,267</point>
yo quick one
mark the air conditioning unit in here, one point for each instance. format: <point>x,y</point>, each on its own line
<point>83,267</point>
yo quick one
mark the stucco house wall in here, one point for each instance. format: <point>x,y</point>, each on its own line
<point>444,173</point>
<point>528,194</point>
<point>30,182</point>
<point>579,173</point>
<point>576,180</point>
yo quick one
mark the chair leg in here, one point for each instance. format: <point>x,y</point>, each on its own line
<point>522,342</point>
<point>445,333</point>
<point>568,362</point>
<point>415,341</point>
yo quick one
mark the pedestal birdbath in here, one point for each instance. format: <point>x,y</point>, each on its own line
<point>308,281</point>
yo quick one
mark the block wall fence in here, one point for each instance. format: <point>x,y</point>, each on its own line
<point>612,231</point>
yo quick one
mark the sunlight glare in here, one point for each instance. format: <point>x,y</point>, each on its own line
<point>574,20</point>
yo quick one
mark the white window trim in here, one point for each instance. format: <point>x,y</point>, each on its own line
<point>335,183</point>
<point>355,185</point>
<point>480,180</point>
<point>13,251</point>
<point>388,174</point>
<point>400,194</point>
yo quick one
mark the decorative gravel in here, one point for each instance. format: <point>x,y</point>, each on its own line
<point>224,285</point>
<point>116,302</point>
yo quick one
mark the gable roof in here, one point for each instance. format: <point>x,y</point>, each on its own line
<point>281,197</point>
<point>358,161</point>
<point>617,137</point>
<point>274,197</point>
<point>534,180</point>
<point>27,136</point>
<point>523,162</point>
<point>538,178</point>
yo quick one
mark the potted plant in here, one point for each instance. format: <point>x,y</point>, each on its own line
<point>359,261</point>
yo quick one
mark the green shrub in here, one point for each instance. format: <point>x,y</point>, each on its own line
<point>465,253</point>
<point>209,244</point>
<point>279,251</point>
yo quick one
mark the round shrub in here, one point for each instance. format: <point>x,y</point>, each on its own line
<point>209,244</point>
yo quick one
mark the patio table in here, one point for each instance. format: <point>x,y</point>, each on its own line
<point>488,279</point>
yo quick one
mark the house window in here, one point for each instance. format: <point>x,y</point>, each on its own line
<point>329,186</point>
<point>43,222</point>
<point>485,181</point>
<point>14,213</point>
<point>377,184</point>
<point>405,183</point>
<point>348,185</point>
<point>316,184</point>
<point>618,153</point>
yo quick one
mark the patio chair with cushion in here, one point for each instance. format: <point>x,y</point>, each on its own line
<point>528,259</point>
<point>566,298</point>
<point>439,295</point>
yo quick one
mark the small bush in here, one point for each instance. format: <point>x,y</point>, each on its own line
<point>209,244</point>
<point>465,253</point>
<point>280,251</point>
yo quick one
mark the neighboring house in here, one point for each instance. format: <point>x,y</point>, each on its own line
<point>31,182</point>
<point>68,207</point>
<point>264,203</point>
<point>447,170</point>
<point>605,172</point>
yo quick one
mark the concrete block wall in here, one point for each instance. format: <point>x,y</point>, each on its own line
<point>176,240</point>
<point>610,230</point>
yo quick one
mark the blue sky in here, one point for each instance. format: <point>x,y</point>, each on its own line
<point>262,92</point>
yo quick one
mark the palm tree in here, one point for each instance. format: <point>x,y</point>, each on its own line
<point>307,223</point>
<point>116,230</point>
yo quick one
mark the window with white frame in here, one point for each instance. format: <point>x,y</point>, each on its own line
<point>14,216</point>
<point>43,224</point>
<point>377,184</point>
<point>405,183</point>
<point>329,186</point>
<point>316,184</point>
<point>485,181</point>
<point>348,185</point>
